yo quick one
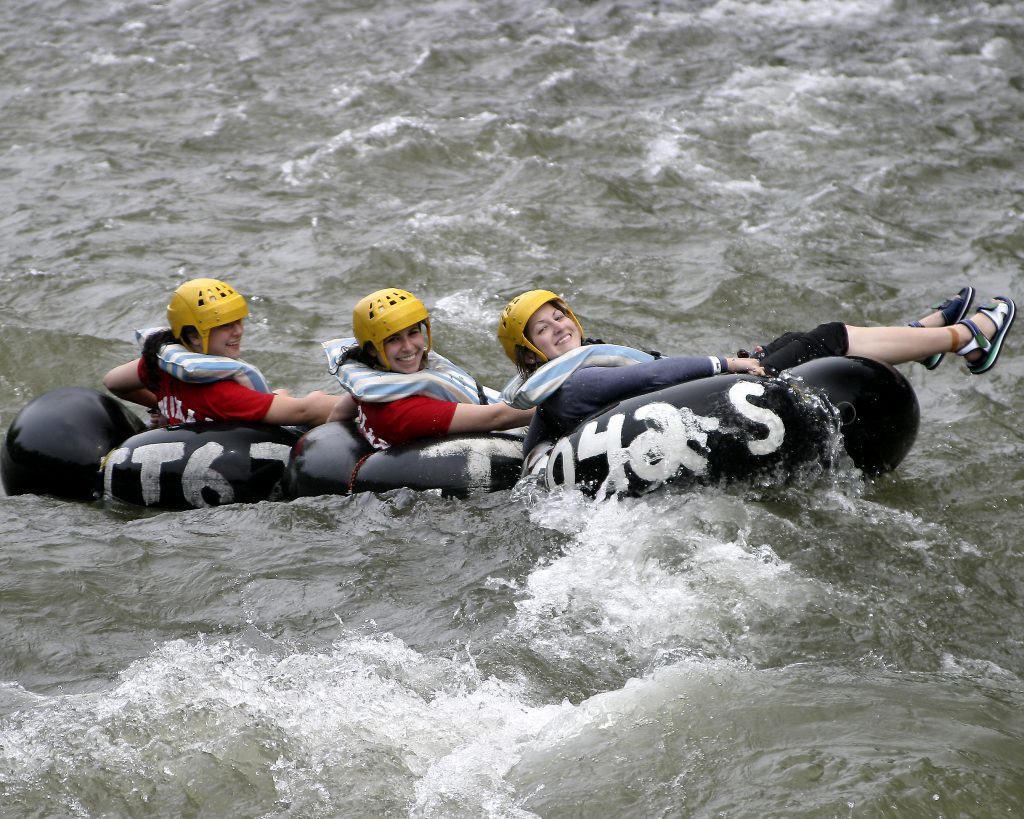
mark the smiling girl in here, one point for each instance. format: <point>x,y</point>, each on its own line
<point>207,318</point>
<point>402,390</point>
<point>568,377</point>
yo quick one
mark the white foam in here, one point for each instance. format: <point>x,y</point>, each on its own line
<point>797,13</point>
<point>316,722</point>
<point>630,579</point>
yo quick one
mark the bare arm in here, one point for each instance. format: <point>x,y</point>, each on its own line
<point>124,382</point>
<point>310,410</point>
<point>487,417</point>
<point>344,410</point>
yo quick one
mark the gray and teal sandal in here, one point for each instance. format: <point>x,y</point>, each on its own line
<point>1002,312</point>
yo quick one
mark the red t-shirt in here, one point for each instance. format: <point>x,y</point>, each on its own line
<point>407,419</point>
<point>182,402</point>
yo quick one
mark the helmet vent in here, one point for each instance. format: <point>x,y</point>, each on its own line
<point>389,300</point>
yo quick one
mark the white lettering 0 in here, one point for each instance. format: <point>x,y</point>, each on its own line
<point>738,395</point>
<point>198,475</point>
<point>150,458</point>
<point>658,452</point>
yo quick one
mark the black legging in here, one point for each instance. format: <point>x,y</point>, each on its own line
<point>794,348</point>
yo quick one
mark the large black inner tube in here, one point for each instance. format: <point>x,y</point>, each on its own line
<point>56,443</point>
<point>741,427</point>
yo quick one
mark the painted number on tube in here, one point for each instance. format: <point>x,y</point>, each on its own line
<point>479,455</point>
<point>198,472</point>
<point>663,448</point>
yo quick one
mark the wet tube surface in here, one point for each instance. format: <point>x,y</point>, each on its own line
<point>56,443</point>
<point>740,427</point>
<point>197,465</point>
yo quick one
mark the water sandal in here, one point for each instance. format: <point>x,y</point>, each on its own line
<point>1002,312</point>
<point>953,310</point>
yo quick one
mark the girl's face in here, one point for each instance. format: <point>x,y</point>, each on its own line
<point>224,340</point>
<point>404,349</point>
<point>552,332</point>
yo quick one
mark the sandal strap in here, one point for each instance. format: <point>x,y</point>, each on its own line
<point>997,313</point>
<point>955,308</point>
<point>1002,313</point>
<point>978,340</point>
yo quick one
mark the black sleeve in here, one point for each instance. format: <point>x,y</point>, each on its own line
<point>593,388</point>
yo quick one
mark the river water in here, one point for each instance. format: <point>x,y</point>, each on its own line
<point>694,176</point>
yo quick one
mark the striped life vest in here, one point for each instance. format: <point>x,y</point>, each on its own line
<point>440,379</point>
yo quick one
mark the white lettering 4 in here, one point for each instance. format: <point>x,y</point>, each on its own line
<point>609,445</point>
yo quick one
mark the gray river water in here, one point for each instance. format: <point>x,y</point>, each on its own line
<point>693,176</point>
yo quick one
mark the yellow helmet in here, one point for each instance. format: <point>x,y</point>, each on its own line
<point>205,304</point>
<point>384,313</point>
<point>512,325</point>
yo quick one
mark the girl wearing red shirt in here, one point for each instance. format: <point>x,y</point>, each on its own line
<point>206,316</point>
<point>392,329</point>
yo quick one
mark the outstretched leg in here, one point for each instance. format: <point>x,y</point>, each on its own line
<point>979,339</point>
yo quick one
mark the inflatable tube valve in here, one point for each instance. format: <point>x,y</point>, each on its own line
<point>878,409</point>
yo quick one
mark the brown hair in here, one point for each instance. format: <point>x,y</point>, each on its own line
<point>523,367</point>
<point>151,351</point>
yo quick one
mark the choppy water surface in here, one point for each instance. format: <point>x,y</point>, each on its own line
<point>694,176</point>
